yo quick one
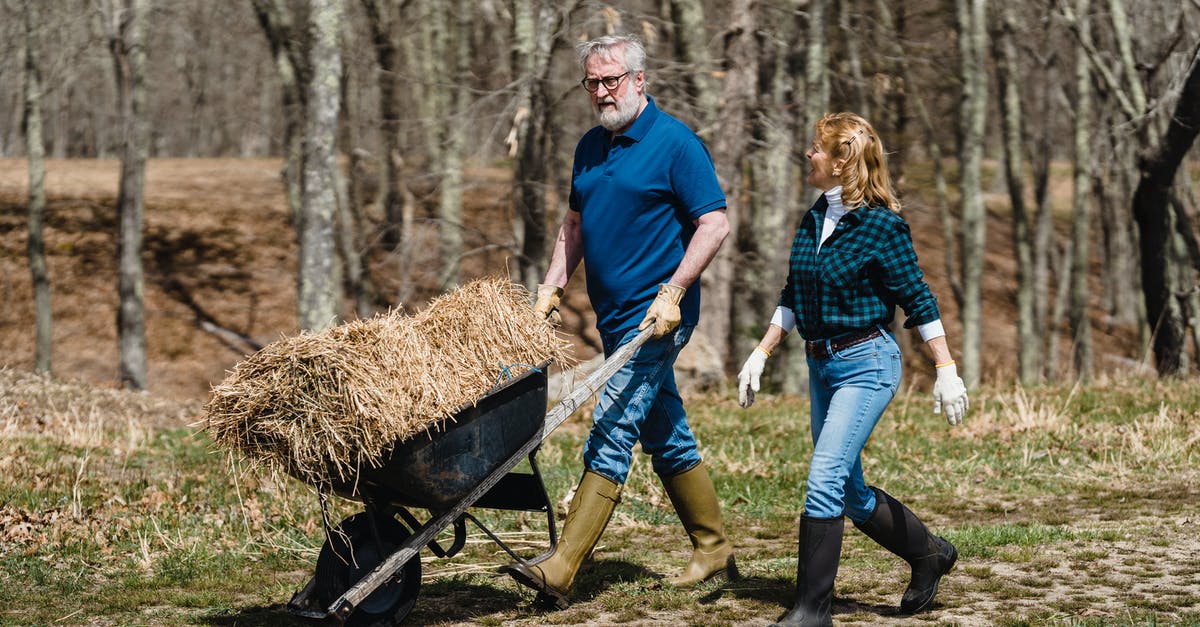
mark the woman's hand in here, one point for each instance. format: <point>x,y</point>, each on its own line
<point>950,394</point>
<point>751,374</point>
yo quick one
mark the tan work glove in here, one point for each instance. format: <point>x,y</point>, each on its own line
<point>664,311</point>
<point>547,303</point>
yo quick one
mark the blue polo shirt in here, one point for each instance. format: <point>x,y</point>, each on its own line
<point>638,195</point>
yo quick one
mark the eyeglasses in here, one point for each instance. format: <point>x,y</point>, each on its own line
<point>610,82</point>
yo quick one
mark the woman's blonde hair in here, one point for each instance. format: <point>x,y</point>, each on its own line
<point>864,171</point>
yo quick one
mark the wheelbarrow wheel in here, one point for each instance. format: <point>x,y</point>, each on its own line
<point>350,553</point>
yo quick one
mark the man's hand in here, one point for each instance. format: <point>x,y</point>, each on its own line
<point>950,394</point>
<point>664,311</point>
<point>751,374</point>
<point>547,303</point>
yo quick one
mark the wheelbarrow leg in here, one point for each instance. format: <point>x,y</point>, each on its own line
<point>549,514</point>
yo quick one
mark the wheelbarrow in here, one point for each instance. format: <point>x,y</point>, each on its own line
<point>368,571</point>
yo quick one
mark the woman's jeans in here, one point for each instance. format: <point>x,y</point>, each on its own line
<point>850,390</point>
<point>640,403</point>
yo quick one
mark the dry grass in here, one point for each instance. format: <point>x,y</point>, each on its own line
<point>319,406</point>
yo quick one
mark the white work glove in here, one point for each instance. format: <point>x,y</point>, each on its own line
<point>664,311</point>
<point>547,303</point>
<point>751,374</point>
<point>950,394</point>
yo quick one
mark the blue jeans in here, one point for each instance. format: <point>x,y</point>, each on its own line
<point>850,390</point>
<point>640,403</point>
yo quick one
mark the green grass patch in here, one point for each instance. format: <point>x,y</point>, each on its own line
<point>123,515</point>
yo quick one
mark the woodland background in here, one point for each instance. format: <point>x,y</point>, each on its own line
<point>185,181</point>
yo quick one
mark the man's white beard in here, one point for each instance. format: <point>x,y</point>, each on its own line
<point>626,111</point>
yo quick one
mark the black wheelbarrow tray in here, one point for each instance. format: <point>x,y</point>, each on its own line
<point>368,571</point>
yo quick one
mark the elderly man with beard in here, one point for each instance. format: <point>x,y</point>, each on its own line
<point>647,215</point>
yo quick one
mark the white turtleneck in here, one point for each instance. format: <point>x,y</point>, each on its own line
<point>784,317</point>
<point>833,214</point>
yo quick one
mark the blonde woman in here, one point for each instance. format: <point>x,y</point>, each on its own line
<point>852,263</point>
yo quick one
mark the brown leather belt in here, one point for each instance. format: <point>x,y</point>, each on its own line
<point>823,349</point>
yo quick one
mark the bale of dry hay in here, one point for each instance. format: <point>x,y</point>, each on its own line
<point>322,405</point>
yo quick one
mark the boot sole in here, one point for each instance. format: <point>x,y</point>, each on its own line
<point>547,596</point>
<point>929,602</point>
<point>725,575</point>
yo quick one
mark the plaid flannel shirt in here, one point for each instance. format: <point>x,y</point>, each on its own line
<point>865,269</point>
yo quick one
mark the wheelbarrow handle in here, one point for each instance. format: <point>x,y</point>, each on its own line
<point>567,406</point>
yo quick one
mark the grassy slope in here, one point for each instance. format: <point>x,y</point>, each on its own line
<point>1069,506</point>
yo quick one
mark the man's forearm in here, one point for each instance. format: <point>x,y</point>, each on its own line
<point>568,251</point>
<point>711,230</point>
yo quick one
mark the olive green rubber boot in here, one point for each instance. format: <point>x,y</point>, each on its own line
<point>695,501</point>
<point>589,513</point>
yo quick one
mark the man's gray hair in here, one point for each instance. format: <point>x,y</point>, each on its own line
<point>606,48</point>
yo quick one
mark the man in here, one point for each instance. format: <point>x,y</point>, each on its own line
<point>647,215</point>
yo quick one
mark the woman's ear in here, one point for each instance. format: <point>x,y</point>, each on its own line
<point>837,167</point>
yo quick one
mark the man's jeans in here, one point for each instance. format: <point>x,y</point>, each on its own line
<point>850,390</point>
<point>640,403</point>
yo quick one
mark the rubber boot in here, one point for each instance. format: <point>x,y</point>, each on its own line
<point>588,515</point>
<point>695,501</point>
<point>898,530</point>
<point>816,568</point>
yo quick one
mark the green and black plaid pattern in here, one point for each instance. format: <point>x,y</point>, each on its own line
<point>865,269</point>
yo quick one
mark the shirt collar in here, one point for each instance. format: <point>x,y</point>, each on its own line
<point>641,125</point>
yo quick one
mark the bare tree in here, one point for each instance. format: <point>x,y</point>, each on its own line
<point>287,49</point>
<point>125,21</point>
<point>1008,71</point>
<point>691,50</point>
<point>769,220</point>
<point>35,147</point>
<point>1077,314</point>
<point>1152,210</point>
<point>317,280</point>
<point>382,16</point>
<point>539,28</point>
<point>730,144</point>
<point>972,35</point>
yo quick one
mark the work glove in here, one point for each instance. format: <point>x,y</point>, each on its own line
<point>950,394</point>
<point>748,378</point>
<point>664,311</point>
<point>547,303</point>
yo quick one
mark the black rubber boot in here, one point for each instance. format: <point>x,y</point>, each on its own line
<point>816,568</point>
<point>899,530</point>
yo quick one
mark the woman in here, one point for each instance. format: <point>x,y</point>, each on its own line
<point>852,263</point>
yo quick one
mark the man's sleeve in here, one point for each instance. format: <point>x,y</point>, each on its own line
<point>695,180</point>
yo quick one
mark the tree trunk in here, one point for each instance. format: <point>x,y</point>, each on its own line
<point>457,37</point>
<point>730,146</point>
<point>317,301</point>
<point>382,20</point>
<point>536,34</point>
<point>691,49</point>
<point>1077,316</point>
<point>972,44</point>
<point>1151,210</point>
<point>352,192</point>
<point>126,39</point>
<point>851,30</point>
<point>816,77</point>
<point>287,45</point>
<point>36,150</point>
<point>770,219</point>
<point>1008,71</point>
